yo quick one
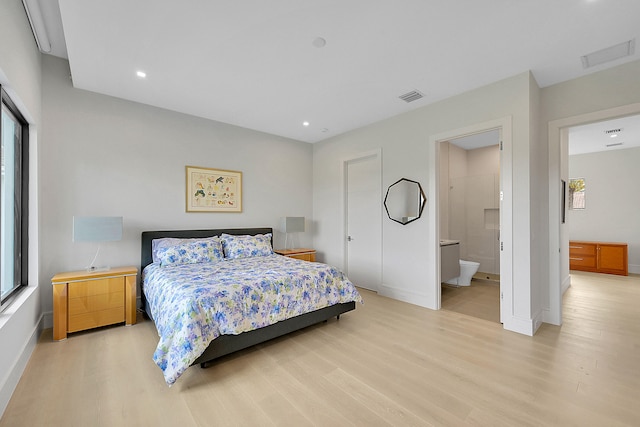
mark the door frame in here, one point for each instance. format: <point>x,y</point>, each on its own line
<point>377,155</point>
<point>506,209</point>
<point>559,278</point>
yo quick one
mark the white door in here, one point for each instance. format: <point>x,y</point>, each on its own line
<point>364,221</point>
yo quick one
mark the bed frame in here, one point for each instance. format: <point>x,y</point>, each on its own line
<point>226,344</point>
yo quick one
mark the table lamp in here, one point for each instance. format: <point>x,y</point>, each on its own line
<point>97,229</point>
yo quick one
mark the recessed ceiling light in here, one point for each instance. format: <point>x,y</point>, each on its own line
<point>305,123</point>
<point>141,74</point>
<point>614,135</point>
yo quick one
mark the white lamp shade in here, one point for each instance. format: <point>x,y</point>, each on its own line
<point>97,228</point>
<point>293,224</point>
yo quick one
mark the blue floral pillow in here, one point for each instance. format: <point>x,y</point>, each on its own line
<point>246,246</point>
<point>190,252</point>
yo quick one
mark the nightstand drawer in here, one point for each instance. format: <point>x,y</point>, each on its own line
<point>95,319</point>
<point>96,303</point>
<point>305,257</point>
<point>304,254</point>
<point>95,287</point>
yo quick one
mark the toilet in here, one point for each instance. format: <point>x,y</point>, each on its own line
<point>467,270</point>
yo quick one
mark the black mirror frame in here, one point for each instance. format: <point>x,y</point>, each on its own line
<point>423,201</point>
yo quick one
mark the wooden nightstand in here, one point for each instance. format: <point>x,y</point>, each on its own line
<point>90,299</point>
<point>305,254</point>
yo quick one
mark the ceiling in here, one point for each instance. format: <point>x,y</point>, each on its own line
<point>260,65</point>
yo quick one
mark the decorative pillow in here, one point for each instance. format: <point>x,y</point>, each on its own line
<point>165,242</point>
<point>246,246</point>
<point>190,251</point>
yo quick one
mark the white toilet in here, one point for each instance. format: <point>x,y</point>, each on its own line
<point>467,270</point>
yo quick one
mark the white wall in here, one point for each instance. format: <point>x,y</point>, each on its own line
<point>20,323</point>
<point>404,140</point>
<point>107,156</point>
<point>612,201</point>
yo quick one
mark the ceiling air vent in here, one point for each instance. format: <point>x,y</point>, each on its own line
<point>610,131</point>
<point>609,54</point>
<point>414,95</point>
<point>615,144</point>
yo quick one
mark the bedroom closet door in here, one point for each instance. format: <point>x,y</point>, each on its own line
<point>363,221</point>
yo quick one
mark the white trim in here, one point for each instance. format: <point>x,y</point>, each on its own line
<point>557,132</point>
<point>506,213</point>
<point>522,325</point>
<point>416,298</point>
<point>9,383</point>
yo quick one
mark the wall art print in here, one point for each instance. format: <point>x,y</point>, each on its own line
<point>213,190</point>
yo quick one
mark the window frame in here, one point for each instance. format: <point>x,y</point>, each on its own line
<point>21,218</point>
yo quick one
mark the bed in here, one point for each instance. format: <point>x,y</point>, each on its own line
<point>208,301</point>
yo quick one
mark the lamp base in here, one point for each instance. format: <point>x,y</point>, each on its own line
<point>92,269</point>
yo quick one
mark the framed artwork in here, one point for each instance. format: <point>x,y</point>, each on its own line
<point>213,190</point>
<point>577,188</point>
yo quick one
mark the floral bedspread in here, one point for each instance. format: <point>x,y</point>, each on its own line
<point>192,304</point>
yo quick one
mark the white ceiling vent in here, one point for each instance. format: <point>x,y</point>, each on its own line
<point>414,95</point>
<point>609,54</point>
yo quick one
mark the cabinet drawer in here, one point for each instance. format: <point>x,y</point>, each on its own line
<point>582,261</point>
<point>95,319</point>
<point>95,303</point>
<point>576,249</point>
<point>96,287</point>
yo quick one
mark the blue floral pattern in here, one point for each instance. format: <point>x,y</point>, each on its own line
<point>192,304</point>
<point>243,246</point>
<point>190,252</point>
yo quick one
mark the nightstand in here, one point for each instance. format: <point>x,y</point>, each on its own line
<point>305,254</point>
<point>90,299</point>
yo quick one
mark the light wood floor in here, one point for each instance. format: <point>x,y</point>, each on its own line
<point>387,363</point>
<point>480,300</point>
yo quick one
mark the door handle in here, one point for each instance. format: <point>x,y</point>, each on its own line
<point>349,238</point>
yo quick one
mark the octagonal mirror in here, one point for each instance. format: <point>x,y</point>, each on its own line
<point>404,201</point>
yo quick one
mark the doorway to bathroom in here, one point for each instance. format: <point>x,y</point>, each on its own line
<point>469,195</point>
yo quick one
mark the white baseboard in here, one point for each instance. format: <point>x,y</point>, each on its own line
<point>521,325</point>
<point>15,372</point>
<point>566,284</point>
<point>47,321</point>
<point>403,295</point>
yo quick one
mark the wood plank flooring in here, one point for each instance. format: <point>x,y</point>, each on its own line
<point>386,363</point>
<point>480,300</point>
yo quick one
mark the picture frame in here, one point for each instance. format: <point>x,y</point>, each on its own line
<point>213,190</point>
<point>563,195</point>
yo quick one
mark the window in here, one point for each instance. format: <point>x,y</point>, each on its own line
<point>576,193</point>
<point>14,198</point>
